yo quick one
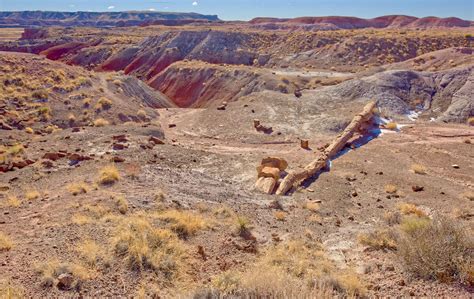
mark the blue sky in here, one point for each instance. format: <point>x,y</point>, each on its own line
<point>247,9</point>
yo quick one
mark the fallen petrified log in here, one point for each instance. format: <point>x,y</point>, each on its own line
<point>269,172</point>
<point>358,124</point>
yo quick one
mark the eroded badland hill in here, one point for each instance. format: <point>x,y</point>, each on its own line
<point>144,161</point>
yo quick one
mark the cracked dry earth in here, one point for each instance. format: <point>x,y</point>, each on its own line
<point>210,171</point>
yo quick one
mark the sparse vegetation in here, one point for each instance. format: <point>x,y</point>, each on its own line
<point>418,169</point>
<point>13,201</point>
<point>104,103</point>
<point>379,239</point>
<point>9,290</point>
<point>122,204</point>
<point>32,195</point>
<point>90,252</point>
<point>109,175</point>
<point>390,188</point>
<point>5,242</point>
<point>100,122</point>
<point>78,188</point>
<point>410,209</point>
<point>437,249</point>
<point>184,223</point>
<point>144,247</point>
<point>51,271</point>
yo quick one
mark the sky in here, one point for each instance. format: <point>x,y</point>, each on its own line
<point>248,9</point>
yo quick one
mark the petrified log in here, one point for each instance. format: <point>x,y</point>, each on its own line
<point>304,144</point>
<point>321,161</point>
<point>269,173</point>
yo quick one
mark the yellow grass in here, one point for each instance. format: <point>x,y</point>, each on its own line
<point>13,202</point>
<point>184,223</point>
<point>80,219</point>
<point>89,251</point>
<point>379,239</point>
<point>32,195</point>
<point>122,204</point>
<point>410,209</point>
<point>418,169</point>
<point>100,122</point>
<point>5,242</point>
<point>390,188</point>
<point>78,188</point>
<point>109,175</point>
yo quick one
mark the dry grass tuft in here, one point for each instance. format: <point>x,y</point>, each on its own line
<point>142,247</point>
<point>32,195</point>
<point>184,223</point>
<point>104,103</point>
<point>100,122</point>
<point>311,206</point>
<point>243,225</point>
<point>379,239</point>
<point>410,209</point>
<point>90,252</point>
<point>109,175</point>
<point>390,189</point>
<point>439,249</point>
<point>13,202</point>
<point>50,271</point>
<point>418,169</point>
<point>80,219</point>
<point>5,242</point>
<point>290,270</point>
<point>469,195</point>
<point>279,215</point>
<point>470,121</point>
<point>9,290</point>
<point>78,188</point>
<point>122,204</point>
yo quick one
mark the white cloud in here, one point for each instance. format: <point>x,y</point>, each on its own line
<point>111,7</point>
<point>151,9</point>
<point>195,3</point>
<point>72,5</point>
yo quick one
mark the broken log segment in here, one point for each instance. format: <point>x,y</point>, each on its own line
<point>321,161</point>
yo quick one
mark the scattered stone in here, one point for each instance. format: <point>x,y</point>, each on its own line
<point>117,159</point>
<point>455,166</point>
<point>119,146</point>
<point>65,281</point>
<point>354,194</point>
<point>223,106</point>
<point>298,94</point>
<point>172,126</point>
<point>304,143</point>
<point>417,188</point>
<point>155,140</point>
<point>120,138</point>
<point>54,156</point>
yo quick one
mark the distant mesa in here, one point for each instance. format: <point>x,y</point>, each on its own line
<point>395,21</point>
<point>99,19</point>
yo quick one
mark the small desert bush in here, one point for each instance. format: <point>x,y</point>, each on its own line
<point>122,204</point>
<point>242,225</point>
<point>104,103</point>
<point>50,271</point>
<point>418,169</point>
<point>413,222</point>
<point>410,209</point>
<point>470,121</point>
<point>29,130</point>
<point>379,239</point>
<point>32,195</point>
<point>184,223</point>
<point>109,175</point>
<point>86,103</point>
<point>390,188</point>
<point>439,249</point>
<point>78,188</point>
<point>100,122</point>
<point>5,242</point>
<point>145,247</point>
<point>141,114</point>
